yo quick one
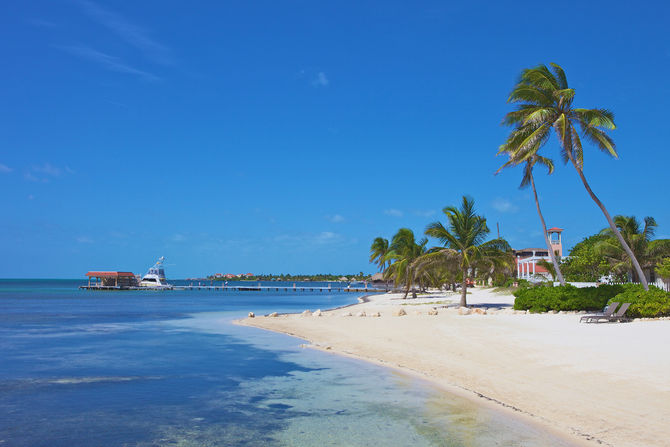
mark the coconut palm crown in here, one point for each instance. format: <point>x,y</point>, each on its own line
<point>465,246</point>
<point>545,104</point>
<point>402,253</point>
<point>378,251</point>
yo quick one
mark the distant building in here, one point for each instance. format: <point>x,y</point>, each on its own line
<point>248,275</point>
<point>527,258</point>
<point>229,276</point>
<point>111,279</point>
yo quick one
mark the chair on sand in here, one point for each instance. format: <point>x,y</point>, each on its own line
<point>619,316</point>
<point>609,310</point>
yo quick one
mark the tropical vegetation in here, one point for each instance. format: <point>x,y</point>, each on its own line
<point>545,104</point>
<point>464,253</point>
<point>402,252</point>
<point>565,298</point>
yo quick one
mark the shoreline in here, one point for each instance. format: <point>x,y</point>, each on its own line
<point>503,363</point>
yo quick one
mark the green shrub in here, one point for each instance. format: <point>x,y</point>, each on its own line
<point>566,298</point>
<point>654,303</point>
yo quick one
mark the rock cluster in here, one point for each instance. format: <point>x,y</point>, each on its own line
<point>251,315</point>
<point>273,315</point>
<point>361,314</point>
<point>432,311</point>
<point>317,313</point>
<point>400,312</point>
<point>306,313</point>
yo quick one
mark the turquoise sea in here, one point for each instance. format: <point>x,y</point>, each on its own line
<point>80,368</point>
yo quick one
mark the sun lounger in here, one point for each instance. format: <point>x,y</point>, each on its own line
<point>609,310</point>
<point>618,316</point>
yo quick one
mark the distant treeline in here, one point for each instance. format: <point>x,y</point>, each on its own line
<point>288,277</point>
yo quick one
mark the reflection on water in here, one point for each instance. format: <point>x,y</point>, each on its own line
<point>85,368</point>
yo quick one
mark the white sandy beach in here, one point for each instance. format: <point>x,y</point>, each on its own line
<point>594,383</point>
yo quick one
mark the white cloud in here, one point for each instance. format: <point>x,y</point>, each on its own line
<point>131,33</point>
<point>504,206</point>
<point>177,237</point>
<point>47,169</point>
<point>5,169</point>
<point>45,172</point>
<point>425,213</point>
<point>335,218</point>
<point>393,212</point>
<point>84,240</point>
<point>321,80</point>
<point>106,61</point>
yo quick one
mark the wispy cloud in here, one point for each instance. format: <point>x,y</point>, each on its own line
<point>504,206</point>
<point>84,240</point>
<point>335,218</point>
<point>4,169</point>
<point>177,237</point>
<point>321,80</point>
<point>131,33</point>
<point>45,172</point>
<point>107,61</point>
<point>393,212</point>
<point>425,213</point>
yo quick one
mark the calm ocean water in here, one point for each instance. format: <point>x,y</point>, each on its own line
<point>82,368</point>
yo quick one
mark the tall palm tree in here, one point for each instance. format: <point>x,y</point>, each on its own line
<point>647,251</point>
<point>464,246</point>
<point>544,103</point>
<point>528,179</point>
<point>378,251</point>
<point>402,253</point>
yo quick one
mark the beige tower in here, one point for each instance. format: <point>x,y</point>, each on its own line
<point>556,240</point>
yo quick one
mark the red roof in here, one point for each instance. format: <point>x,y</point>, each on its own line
<point>110,274</point>
<point>555,229</point>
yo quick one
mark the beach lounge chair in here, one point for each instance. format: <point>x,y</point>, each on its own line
<point>609,310</point>
<point>618,316</point>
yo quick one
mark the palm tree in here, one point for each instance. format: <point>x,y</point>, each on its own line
<point>378,251</point>
<point>402,253</point>
<point>647,251</point>
<point>551,268</point>
<point>528,179</point>
<point>464,246</point>
<point>544,102</point>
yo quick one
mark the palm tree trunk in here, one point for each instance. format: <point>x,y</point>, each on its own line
<point>615,230</point>
<point>546,236</point>
<point>464,289</point>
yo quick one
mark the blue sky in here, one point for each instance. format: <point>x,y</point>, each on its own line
<point>285,136</point>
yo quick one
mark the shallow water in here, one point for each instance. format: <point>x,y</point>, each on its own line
<point>82,368</point>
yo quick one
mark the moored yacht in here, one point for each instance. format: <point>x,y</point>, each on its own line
<point>155,277</point>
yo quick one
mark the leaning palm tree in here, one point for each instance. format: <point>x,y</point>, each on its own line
<point>544,102</point>
<point>402,253</point>
<point>528,179</point>
<point>464,246</point>
<point>378,251</point>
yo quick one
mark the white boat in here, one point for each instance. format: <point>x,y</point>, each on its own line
<point>155,277</point>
